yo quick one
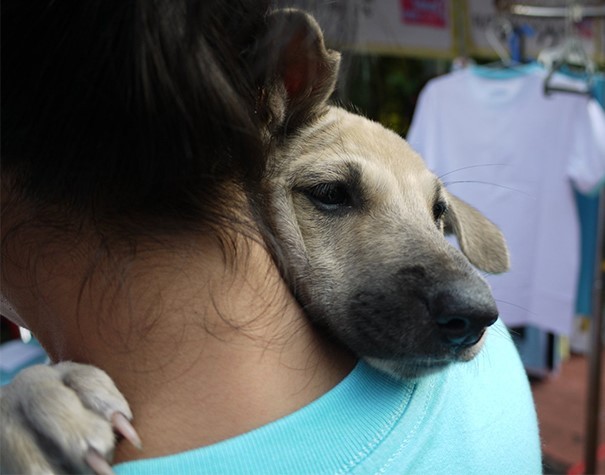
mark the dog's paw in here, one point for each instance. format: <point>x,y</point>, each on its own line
<point>61,419</point>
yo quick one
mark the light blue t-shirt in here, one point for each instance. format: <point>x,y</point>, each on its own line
<point>473,418</point>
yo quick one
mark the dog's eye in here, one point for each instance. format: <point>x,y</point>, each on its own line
<point>329,196</point>
<point>439,210</point>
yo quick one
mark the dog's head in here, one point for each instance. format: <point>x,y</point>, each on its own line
<point>360,224</point>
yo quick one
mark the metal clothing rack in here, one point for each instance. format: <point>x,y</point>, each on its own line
<point>574,12</point>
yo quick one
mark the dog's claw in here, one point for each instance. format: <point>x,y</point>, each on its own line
<point>122,426</point>
<point>77,408</point>
<point>96,461</point>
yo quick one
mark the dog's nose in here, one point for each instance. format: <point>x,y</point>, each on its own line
<point>463,331</point>
<point>462,310</point>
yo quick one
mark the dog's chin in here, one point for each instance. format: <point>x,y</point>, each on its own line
<point>414,367</point>
<point>408,368</point>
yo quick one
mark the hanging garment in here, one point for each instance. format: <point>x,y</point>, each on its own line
<point>515,154</point>
<point>588,208</point>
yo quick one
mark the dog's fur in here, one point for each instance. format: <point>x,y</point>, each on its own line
<point>358,224</point>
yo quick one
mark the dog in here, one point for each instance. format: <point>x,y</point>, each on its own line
<point>357,224</point>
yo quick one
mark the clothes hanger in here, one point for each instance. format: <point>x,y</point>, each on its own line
<point>569,56</point>
<point>498,34</point>
<point>506,39</point>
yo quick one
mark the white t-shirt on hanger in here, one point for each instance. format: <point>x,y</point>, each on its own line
<point>515,154</point>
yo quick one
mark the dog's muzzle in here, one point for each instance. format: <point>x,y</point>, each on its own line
<point>418,316</point>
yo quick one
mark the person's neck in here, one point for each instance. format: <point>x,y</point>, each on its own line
<point>220,391</point>
<point>246,356</point>
<point>202,353</point>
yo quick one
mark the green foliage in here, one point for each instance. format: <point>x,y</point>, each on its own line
<point>385,88</point>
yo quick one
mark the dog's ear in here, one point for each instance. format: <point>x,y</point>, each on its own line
<point>300,73</point>
<point>480,240</point>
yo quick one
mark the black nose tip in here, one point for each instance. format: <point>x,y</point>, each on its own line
<point>463,331</point>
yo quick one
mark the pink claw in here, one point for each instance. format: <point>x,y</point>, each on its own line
<point>98,463</point>
<point>122,425</point>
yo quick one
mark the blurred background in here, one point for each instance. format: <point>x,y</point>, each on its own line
<point>403,65</point>
<point>457,78</point>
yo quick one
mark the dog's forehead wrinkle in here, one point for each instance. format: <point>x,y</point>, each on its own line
<point>389,164</point>
<point>316,139</point>
<point>315,170</point>
<point>369,136</point>
<point>354,134</point>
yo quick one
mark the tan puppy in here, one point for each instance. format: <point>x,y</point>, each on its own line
<point>360,224</point>
<point>357,225</point>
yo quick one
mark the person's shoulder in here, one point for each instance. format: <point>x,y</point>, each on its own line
<point>482,408</point>
<point>16,355</point>
<point>374,423</point>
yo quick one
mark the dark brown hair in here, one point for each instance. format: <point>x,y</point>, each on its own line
<point>136,112</point>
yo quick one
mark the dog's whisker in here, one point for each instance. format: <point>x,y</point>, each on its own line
<point>520,307</point>
<point>479,182</point>
<point>473,166</point>
<point>484,358</point>
<point>501,332</point>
